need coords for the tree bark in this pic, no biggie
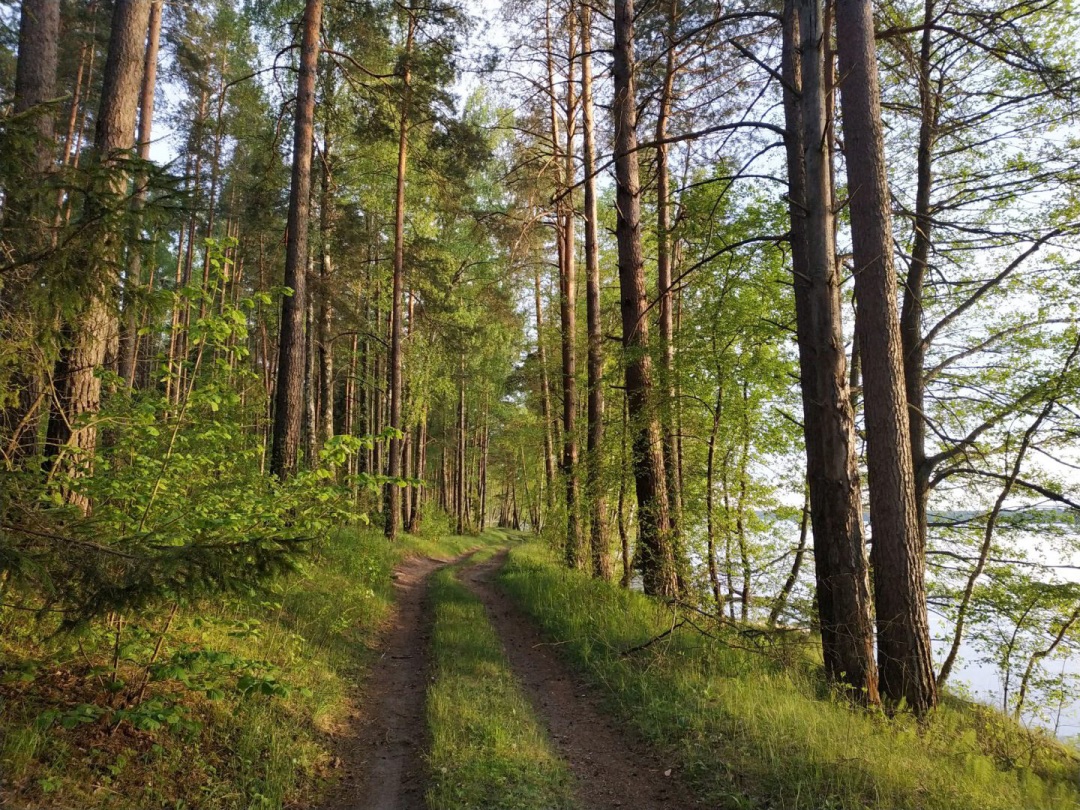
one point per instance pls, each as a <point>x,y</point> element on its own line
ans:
<point>420,470</point>
<point>27,214</point>
<point>740,509</point>
<point>311,383</point>
<point>911,327</point>
<point>663,271</point>
<point>897,554</point>
<point>710,520</point>
<point>624,532</point>
<point>392,494</point>
<point>545,400</point>
<point>601,560</point>
<point>72,433</point>
<point>31,138</point>
<point>327,217</point>
<point>655,551</point>
<point>843,588</point>
<point>325,350</point>
<point>129,349</point>
<point>575,552</point>
<point>459,494</point>
<point>289,399</point>
<point>482,469</point>
<point>182,312</point>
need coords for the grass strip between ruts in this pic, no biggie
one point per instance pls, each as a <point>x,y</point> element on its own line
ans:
<point>487,748</point>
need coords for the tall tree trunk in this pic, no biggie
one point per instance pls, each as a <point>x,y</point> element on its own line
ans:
<point>406,473</point>
<point>575,552</point>
<point>545,399</point>
<point>655,551</point>
<point>215,180</point>
<point>729,573</point>
<point>311,384</point>
<point>420,471</point>
<point>326,304</point>
<point>77,113</point>
<point>601,560</point>
<point>444,480</point>
<point>27,215</point>
<point>289,400</point>
<point>482,478</point>
<point>534,509</point>
<point>551,426</point>
<point>349,395</point>
<point>740,508</point>
<point>86,62</point>
<point>182,310</point>
<point>393,491</point>
<point>911,327</point>
<point>459,485</point>
<point>378,397</point>
<point>624,532</point>
<point>72,433</point>
<point>904,652</point>
<point>710,520</point>
<point>843,588</point>
<point>129,349</point>
<point>31,145</point>
<point>663,270</point>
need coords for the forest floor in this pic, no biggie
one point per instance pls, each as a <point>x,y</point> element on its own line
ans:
<point>478,673</point>
<point>385,759</point>
<point>612,767</point>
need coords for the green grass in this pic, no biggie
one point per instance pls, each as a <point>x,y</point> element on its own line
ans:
<point>488,750</point>
<point>754,731</point>
<point>312,635</point>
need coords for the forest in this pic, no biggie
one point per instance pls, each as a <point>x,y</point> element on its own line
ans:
<point>539,404</point>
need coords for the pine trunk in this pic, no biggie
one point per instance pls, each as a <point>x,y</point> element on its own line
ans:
<point>843,588</point>
<point>601,560</point>
<point>289,399</point>
<point>72,434</point>
<point>392,495</point>
<point>904,651</point>
<point>26,214</point>
<point>575,552</point>
<point>655,552</point>
<point>663,270</point>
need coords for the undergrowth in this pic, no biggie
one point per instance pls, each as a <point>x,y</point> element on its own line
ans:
<point>756,731</point>
<point>488,749</point>
<point>236,707</point>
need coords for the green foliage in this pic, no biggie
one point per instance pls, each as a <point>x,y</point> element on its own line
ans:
<point>182,507</point>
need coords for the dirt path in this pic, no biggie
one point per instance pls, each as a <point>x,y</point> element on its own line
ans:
<point>384,760</point>
<point>612,768</point>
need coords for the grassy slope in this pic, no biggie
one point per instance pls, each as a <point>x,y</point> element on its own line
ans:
<point>314,631</point>
<point>754,732</point>
<point>488,749</point>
